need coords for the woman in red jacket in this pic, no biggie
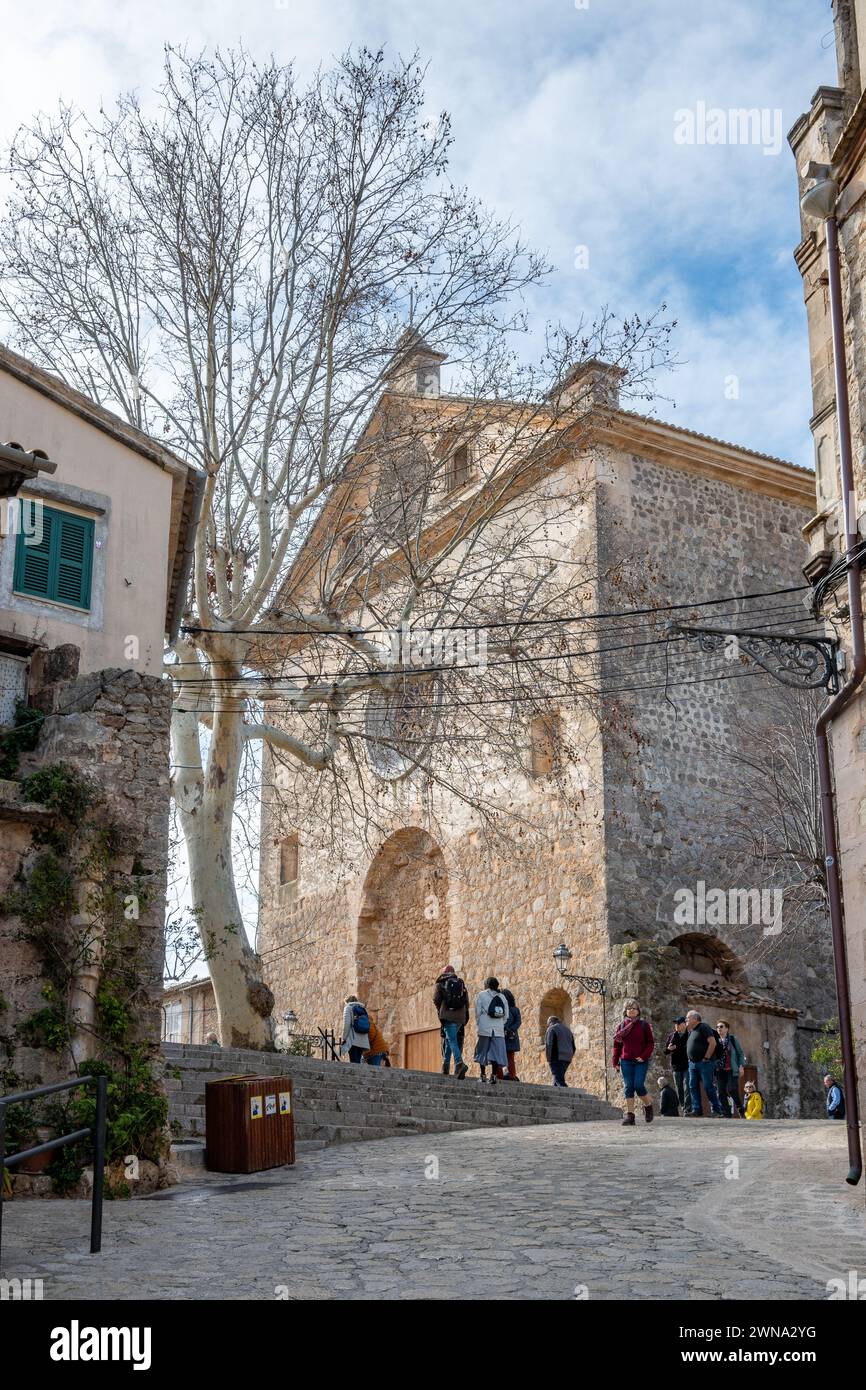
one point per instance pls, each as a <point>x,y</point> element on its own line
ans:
<point>633,1045</point>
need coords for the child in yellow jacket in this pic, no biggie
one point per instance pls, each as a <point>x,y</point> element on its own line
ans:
<point>754,1101</point>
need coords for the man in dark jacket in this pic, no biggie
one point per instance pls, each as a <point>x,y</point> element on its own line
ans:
<point>835,1099</point>
<point>675,1049</point>
<point>451,1001</point>
<point>559,1047</point>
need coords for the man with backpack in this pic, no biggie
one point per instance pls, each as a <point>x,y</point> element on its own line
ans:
<point>356,1029</point>
<point>491,1016</point>
<point>451,1001</point>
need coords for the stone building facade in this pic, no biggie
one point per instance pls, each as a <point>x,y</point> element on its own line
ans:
<point>832,134</point>
<point>673,517</point>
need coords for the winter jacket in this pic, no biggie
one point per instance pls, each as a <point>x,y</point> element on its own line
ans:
<point>350,1037</point>
<point>669,1101</point>
<point>733,1053</point>
<point>559,1043</point>
<point>633,1041</point>
<point>459,1016</point>
<point>376,1041</point>
<point>512,1024</point>
<point>485,1026</point>
<point>675,1047</point>
<point>835,1103</point>
<point>755,1106</point>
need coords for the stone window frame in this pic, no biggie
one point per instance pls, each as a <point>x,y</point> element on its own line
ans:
<point>97,507</point>
<point>545,744</point>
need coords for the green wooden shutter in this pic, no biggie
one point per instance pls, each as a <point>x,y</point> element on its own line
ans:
<point>60,566</point>
<point>33,562</point>
<point>71,560</point>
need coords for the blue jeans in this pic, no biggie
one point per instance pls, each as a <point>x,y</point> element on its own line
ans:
<point>451,1044</point>
<point>356,1054</point>
<point>704,1073</point>
<point>633,1077</point>
<point>375,1060</point>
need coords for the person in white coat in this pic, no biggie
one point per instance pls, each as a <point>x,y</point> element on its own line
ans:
<point>355,1039</point>
<point>491,1016</point>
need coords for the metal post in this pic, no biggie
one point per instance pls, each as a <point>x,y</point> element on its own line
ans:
<point>2,1171</point>
<point>604,1040</point>
<point>98,1165</point>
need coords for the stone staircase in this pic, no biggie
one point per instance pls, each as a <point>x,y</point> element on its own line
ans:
<point>335,1102</point>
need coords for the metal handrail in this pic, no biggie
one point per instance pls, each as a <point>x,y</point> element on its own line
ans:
<point>97,1131</point>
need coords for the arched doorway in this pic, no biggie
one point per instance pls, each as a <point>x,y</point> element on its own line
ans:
<point>403,943</point>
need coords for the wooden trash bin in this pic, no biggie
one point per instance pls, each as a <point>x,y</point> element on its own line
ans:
<point>249,1123</point>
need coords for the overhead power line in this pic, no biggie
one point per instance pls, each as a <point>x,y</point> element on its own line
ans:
<point>312,631</point>
<point>412,672</point>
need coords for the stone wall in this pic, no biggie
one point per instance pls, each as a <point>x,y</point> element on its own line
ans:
<point>113,727</point>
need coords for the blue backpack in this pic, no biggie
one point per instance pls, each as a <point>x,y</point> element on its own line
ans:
<point>360,1019</point>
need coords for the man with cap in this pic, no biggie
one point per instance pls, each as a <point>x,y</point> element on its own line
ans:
<point>451,1001</point>
<point>675,1047</point>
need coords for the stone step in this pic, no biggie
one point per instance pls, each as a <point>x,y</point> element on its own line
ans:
<point>339,1103</point>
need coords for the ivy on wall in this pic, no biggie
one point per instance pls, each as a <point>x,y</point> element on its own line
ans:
<point>73,904</point>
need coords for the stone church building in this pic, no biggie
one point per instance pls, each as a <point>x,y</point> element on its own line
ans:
<point>611,868</point>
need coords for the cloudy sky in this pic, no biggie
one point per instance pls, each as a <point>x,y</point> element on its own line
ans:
<point>565,117</point>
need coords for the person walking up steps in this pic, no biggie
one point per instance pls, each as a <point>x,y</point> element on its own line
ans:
<point>559,1047</point>
<point>491,1014</point>
<point>512,1035</point>
<point>451,1001</point>
<point>633,1045</point>
<point>356,1029</point>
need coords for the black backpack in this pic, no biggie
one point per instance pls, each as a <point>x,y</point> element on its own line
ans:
<point>453,992</point>
<point>497,1007</point>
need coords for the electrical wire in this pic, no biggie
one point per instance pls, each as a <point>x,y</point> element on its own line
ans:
<point>510,622</point>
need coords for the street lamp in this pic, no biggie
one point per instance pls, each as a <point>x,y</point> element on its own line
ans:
<point>592,984</point>
<point>290,1019</point>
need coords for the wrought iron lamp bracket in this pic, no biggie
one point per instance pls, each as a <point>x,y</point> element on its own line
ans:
<point>804,663</point>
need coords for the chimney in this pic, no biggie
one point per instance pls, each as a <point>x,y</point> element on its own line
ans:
<point>590,385</point>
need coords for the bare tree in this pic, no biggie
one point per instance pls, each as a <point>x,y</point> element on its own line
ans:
<point>773,832</point>
<point>234,269</point>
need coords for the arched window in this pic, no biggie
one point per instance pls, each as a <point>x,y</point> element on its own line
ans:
<point>556,1001</point>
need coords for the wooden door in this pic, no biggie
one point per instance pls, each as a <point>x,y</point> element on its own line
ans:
<point>422,1051</point>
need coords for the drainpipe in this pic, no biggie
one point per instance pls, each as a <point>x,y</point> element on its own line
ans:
<point>821,201</point>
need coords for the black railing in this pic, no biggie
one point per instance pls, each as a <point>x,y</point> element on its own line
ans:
<point>328,1044</point>
<point>96,1131</point>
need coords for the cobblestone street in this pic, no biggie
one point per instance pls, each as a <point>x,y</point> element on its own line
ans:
<point>586,1210</point>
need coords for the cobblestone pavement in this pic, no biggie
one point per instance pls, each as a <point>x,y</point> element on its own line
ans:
<point>556,1211</point>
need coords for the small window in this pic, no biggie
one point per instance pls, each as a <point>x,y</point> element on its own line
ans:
<point>289,859</point>
<point>459,468</point>
<point>56,564</point>
<point>173,1023</point>
<point>545,737</point>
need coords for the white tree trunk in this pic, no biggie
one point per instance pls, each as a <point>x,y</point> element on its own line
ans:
<point>205,799</point>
